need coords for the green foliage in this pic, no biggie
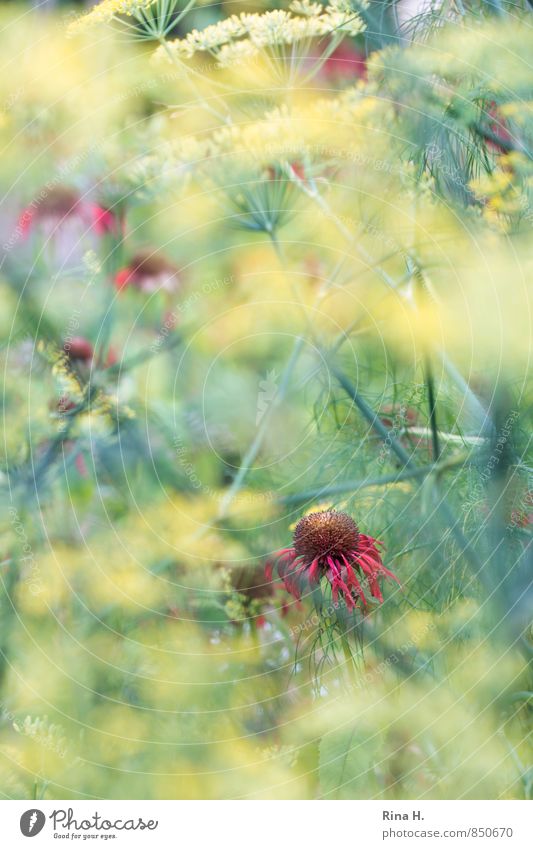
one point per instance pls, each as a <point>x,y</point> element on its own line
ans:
<point>256,267</point>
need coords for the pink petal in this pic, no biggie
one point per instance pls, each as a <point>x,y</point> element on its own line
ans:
<point>334,567</point>
<point>313,570</point>
<point>354,581</point>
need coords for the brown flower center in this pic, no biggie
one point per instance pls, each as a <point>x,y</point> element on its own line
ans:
<point>150,264</point>
<point>325,533</point>
<point>59,201</point>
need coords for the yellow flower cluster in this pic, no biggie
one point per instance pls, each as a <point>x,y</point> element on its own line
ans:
<point>242,36</point>
<point>307,8</point>
<point>502,192</point>
<point>107,11</point>
<point>281,135</point>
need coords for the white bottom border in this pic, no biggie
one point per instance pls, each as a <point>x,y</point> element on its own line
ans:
<point>268,824</point>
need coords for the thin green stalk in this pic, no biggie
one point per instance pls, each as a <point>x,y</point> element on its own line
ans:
<point>355,485</point>
<point>348,657</point>
<point>432,405</point>
<point>334,43</point>
<point>422,292</point>
<point>373,419</point>
<point>471,401</point>
<point>443,507</point>
<point>522,696</point>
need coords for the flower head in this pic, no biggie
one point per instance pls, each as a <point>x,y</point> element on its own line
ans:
<point>328,544</point>
<point>306,8</point>
<point>241,37</point>
<point>80,356</point>
<point>59,204</point>
<point>346,63</point>
<point>253,596</point>
<point>148,271</point>
<point>78,348</point>
<point>109,10</point>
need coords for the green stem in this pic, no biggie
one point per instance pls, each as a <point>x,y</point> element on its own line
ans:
<point>348,657</point>
<point>373,419</point>
<point>443,507</point>
<point>355,485</point>
<point>432,404</point>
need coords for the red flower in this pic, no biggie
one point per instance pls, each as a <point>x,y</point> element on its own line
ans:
<point>277,172</point>
<point>345,63</point>
<point>63,405</point>
<point>329,545</point>
<point>103,220</point>
<point>81,466</point>
<point>255,593</point>
<point>298,170</point>
<point>148,271</point>
<point>81,353</point>
<point>522,518</point>
<point>112,357</point>
<point>62,203</point>
<point>498,127</point>
<point>78,348</point>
